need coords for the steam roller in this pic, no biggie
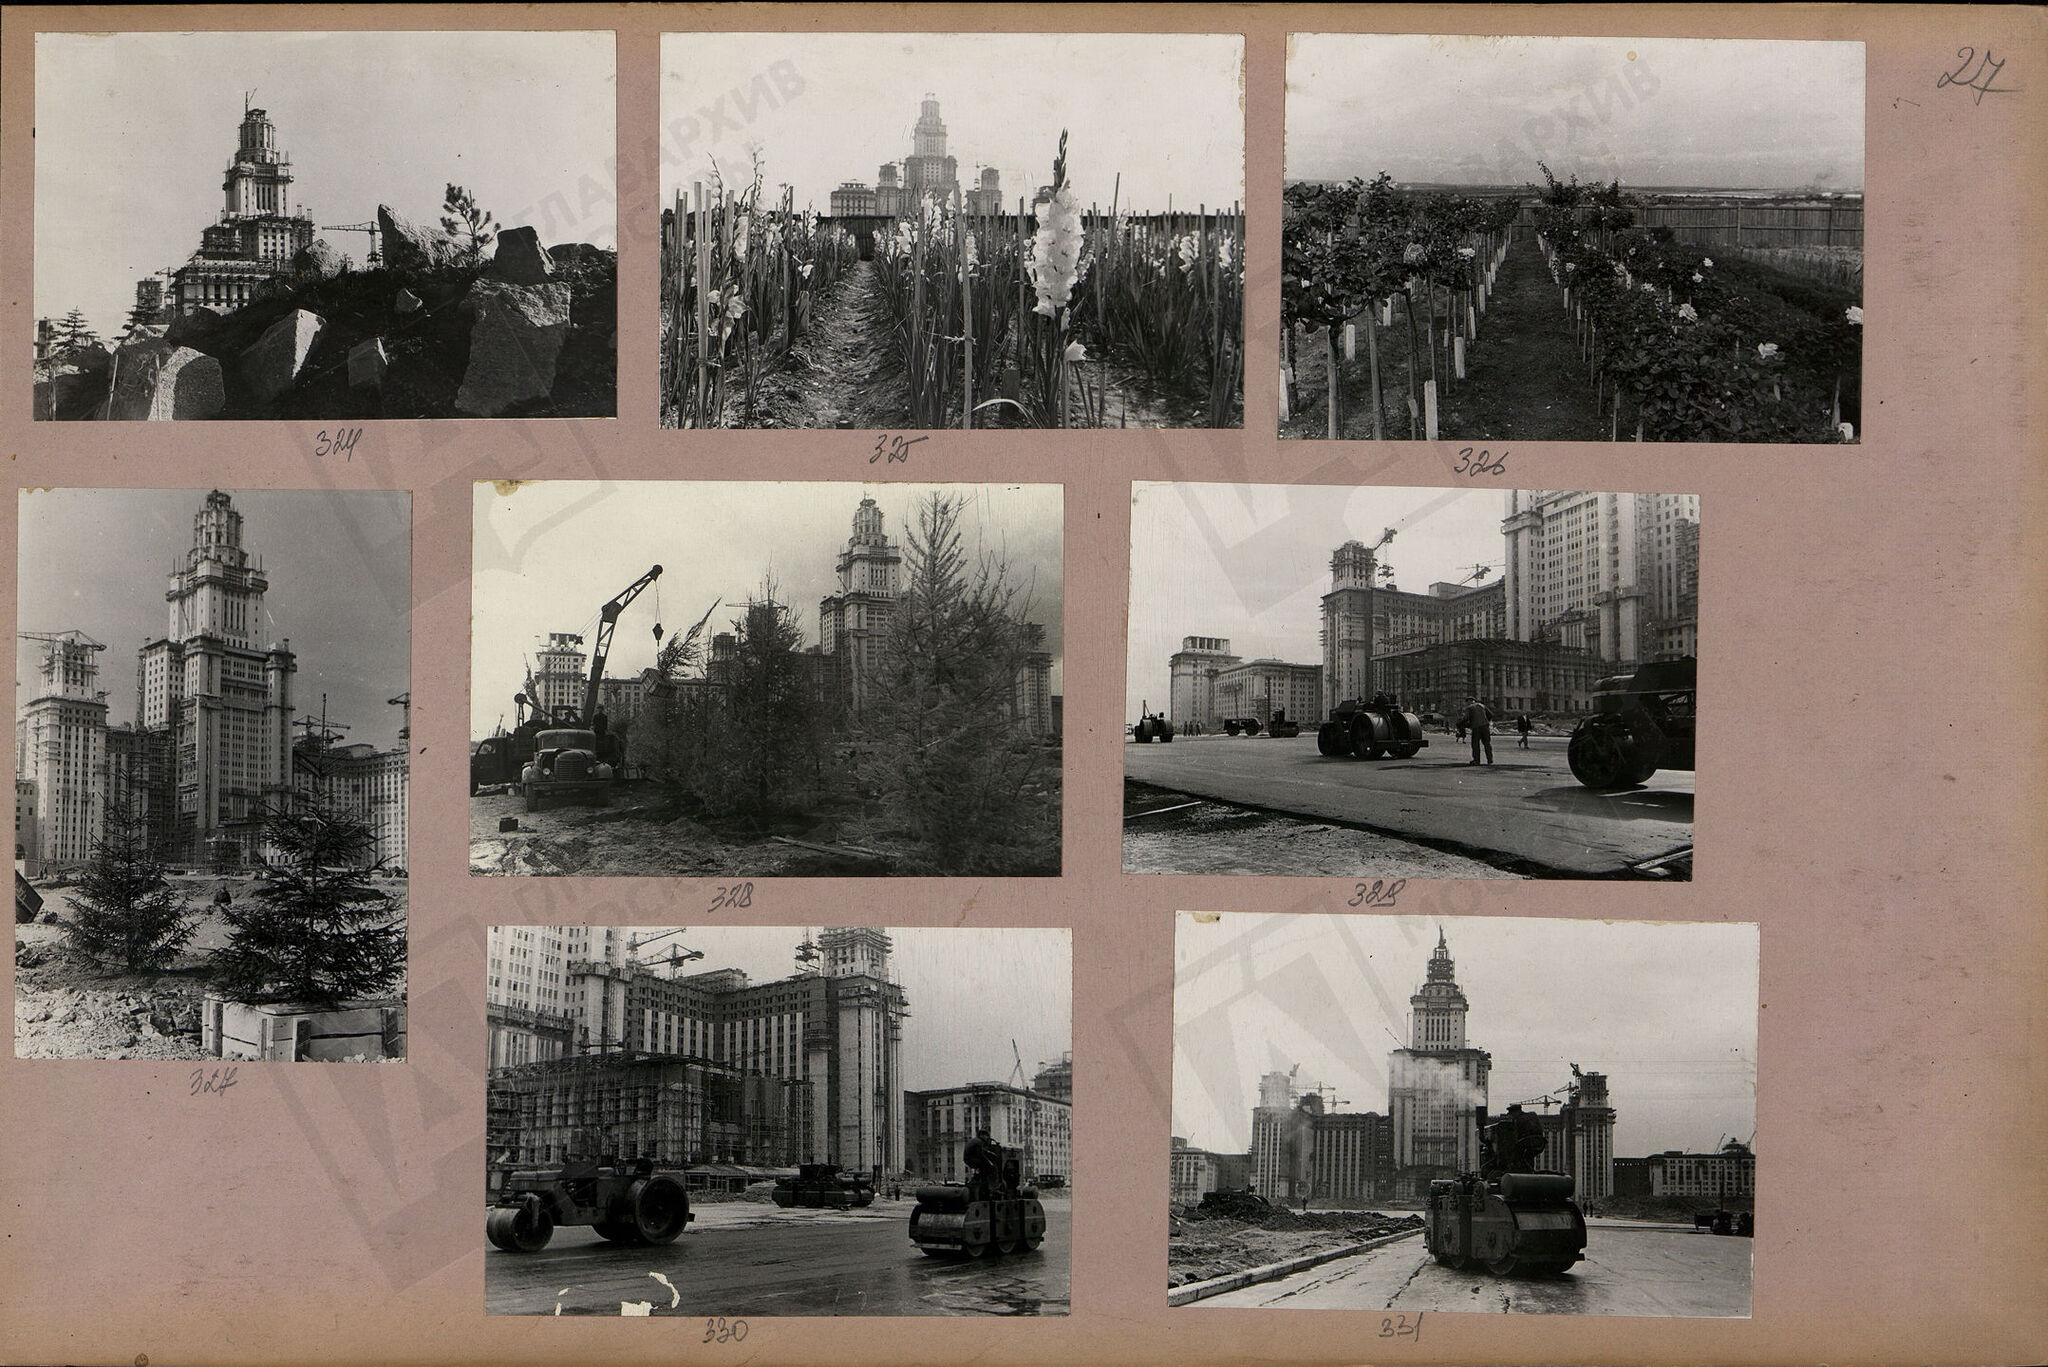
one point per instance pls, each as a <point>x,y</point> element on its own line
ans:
<point>1518,1224</point>
<point>992,1212</point>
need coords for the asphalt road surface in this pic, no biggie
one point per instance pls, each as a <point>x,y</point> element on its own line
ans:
<point>741,1259</point>
<point>1525,807</point>
<point>1628,1270</point>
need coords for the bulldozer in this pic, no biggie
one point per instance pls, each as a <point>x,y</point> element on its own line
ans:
<point>1507,1217</point>
<point>823,1186</point>
<point>627,1203</point>
<point>993,1211</point>
<point>1368,730</point>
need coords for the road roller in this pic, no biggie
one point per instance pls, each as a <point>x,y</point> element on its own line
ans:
<point>629,1204</point>
<point>1505,1218</point>
<point>823,1186</point>
<point>1641,722</point>
<point>1367,730</point>
<point>1152,726</point>
<point>993,1211</point>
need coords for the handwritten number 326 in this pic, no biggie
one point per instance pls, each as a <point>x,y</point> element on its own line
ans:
<point>1472,462</point>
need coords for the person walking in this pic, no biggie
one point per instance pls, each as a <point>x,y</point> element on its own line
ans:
<point>1479,722</point>
<point>1522,729</point>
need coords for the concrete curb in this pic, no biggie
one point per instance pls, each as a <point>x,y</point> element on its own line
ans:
<point>1251,1276</point>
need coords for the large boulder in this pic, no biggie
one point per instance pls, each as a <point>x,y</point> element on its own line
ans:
<point>520,258</point>
<point>157,381</point>
<point>73,384</point>
<point>273,364</point>
<point>367,362</point>
<point>409,246</point>
<point>196,329</point>
<point>513,345</point>
<point>319,260</point>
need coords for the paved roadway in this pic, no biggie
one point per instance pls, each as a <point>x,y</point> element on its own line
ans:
<point>1628,1269</point>
<point>1525,806</point>
<point>741,1259</point>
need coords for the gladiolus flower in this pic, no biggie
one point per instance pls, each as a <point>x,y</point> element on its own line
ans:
<point>1766,350</point>
<point>1848,431</point>
<point>804,270</point>
<point>1707,262</point>
<point>1697,277</point>
<point>1686,312</point>
<point>1075,351</point>
<point>1855,315</point>
<point>1056,252</point>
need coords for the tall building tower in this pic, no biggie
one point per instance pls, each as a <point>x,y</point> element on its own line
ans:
<point>1612,573</point>
<point>1191,680</point>
<point>1436,1085</point>
<point>226,695</point>
<point>1347,624</point>
<point>559,684</point>
<point>854,622</point>
<point>928,173</point>
<point>60,749</point>
<point>258,232</point>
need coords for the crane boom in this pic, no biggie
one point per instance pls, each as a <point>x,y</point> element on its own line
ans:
<point>607,618</point>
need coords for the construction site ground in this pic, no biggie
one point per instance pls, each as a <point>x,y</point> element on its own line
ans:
<point>1215,1246</point>
<point>67,1006</point>
<point>640,833</point>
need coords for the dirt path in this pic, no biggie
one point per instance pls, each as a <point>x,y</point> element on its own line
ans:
<point>1524,380</point>
<point>838,374</point>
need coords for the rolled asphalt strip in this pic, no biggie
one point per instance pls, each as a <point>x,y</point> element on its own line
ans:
<point>1251,1276</point>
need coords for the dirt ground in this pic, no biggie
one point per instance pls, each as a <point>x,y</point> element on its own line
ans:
<point>637,835</point>
<point>1198,1249</point>
<point>1214,837</point>
<point>67,1006</point>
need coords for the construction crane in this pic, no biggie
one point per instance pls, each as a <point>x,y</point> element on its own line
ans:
<point>1475,573</point>
<point>403,700</point>
<point>370,228</point>
<point>677,954</point>
<point>607,619</point>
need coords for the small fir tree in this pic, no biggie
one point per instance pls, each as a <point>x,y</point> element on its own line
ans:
<point>73,334</point>
<point>472,228</point>
<point>766,756</point>
<point>951,752</point>
<point>316,932</point>
<point>126,913</point>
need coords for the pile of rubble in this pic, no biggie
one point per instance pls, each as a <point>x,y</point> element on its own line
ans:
<point>65,1008</point>
<point>430,333</point>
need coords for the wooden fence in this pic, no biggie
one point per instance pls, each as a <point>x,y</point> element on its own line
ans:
<point>1743,224</point>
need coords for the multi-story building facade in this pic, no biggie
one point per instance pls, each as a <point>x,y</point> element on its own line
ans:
<point>371,785</point>
<point>1508,676</point>
<point>1260,688</point>
<point>60,750</point>
<point>929,173</point>
<point>833,1032</point>
<point>1729,1175</point>
<point>1578,1139</point>
<point>942,1120</point>
<point>1191,681</point>
<point>1055,1079</point>
<point>1436,1086</point>
<point>557,686</point>
<point>1351,1157</point>
<point>258,233</point>
<point>1615,574</point>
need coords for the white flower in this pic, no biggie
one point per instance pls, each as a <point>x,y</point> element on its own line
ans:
<point>1075,351</point>
<point>1686,312</point>
<point>804,270</point>
<point>1571,265</point>
<point>1707,262</point>
<point>1188,248</point>
<point>1467,252</point>
<point>1223,250</point>
<point>739,238</point>
<point>1766,350</point>
<point>1056,252</point>
<point>1848,431</point>
<point>1697,277</point>
<point>1854,315</point>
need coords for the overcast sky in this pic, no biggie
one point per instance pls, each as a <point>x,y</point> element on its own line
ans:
<point>1667,1011</point>
<point>339,565</point>
<point>970,992</point>
<point>1251,563</point>
<point>1162,109</point>
<point>134,132</point>
<point>1719,112</point>
<point>549,556</point>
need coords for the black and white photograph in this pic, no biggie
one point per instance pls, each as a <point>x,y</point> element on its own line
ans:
<point>742,680</point>
<point>779,1120</point>
<point>1497,239</point>
<point>952,230</point>
<point>212,865</point>
<point>1392,683</point>
<point>1559,1120</point>
<point>405,225</point>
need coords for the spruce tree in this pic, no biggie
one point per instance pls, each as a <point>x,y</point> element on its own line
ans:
<point>766,754</point>
<point>949,751</point>
<point>126,913</point>
<point>316,932</point>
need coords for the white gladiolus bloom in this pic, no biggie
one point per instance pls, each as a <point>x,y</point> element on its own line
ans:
<point>1056,252</point>
<point>1075,351</point>
<point>1766,350</point>
<point>1854,315</point>
<point>1686,312</point>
